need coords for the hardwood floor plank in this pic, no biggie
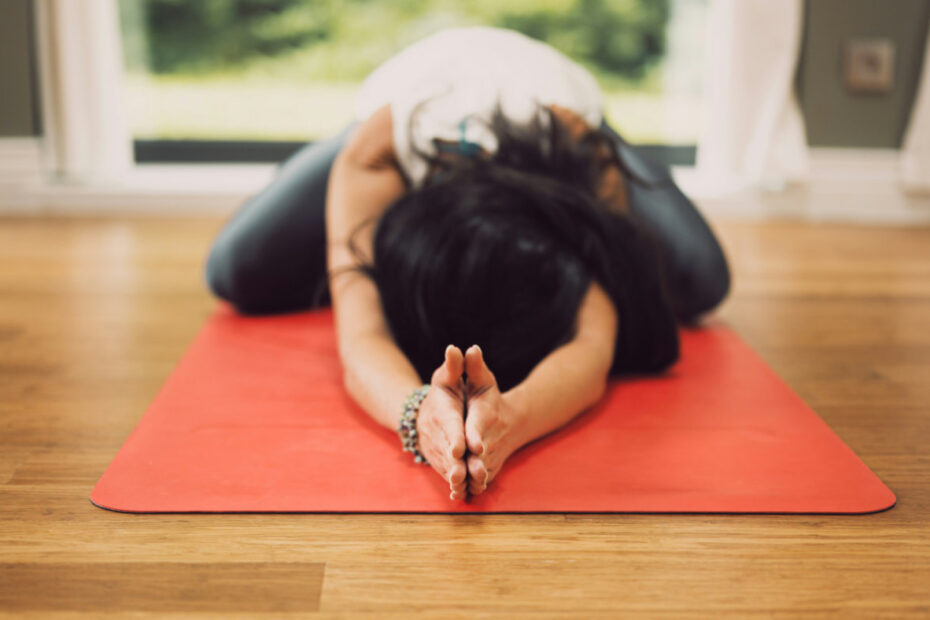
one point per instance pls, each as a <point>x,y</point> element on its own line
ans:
<point>160,586</point>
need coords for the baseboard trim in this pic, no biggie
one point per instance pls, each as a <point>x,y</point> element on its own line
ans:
<point>844,185</point>
<point>148,190</point>
<point>20,173</point>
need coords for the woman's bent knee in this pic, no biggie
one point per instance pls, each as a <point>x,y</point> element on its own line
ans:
<point>240,276</point>
<point>231,278</point>
<point>704,286</point>
<point>219,273</point>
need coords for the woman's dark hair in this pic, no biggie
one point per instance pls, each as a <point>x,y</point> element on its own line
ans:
<point>499,251</point>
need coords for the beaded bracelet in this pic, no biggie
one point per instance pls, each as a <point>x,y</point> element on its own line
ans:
<point>408,423</point>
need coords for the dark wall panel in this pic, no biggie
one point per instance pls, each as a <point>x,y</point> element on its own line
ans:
<point>835,117</point>
<point>18,103</point>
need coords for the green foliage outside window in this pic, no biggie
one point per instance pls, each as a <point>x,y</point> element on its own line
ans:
<point>346,39</point>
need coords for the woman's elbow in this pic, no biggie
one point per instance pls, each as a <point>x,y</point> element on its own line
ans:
<point>598,389</point>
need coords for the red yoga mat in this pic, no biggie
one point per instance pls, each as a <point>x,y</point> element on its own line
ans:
<point>255,419</point>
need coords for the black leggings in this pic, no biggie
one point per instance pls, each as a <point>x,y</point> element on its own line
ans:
<point>270,257</point>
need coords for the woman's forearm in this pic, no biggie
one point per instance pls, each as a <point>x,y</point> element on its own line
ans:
<point>568,381</point>
<point>571,378</point>
<point>378,376</point>
<point>363,181</point>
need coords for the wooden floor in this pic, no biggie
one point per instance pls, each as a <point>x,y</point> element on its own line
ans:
<point>94,313</point>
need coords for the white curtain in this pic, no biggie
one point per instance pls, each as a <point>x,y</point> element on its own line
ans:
<point>753,132</point>
<point>85,131</point>
<point>915,151</point>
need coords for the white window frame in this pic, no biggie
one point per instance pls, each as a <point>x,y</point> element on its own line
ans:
<point>83,162</point>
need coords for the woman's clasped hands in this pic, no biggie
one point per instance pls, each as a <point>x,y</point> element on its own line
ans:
<point>465,427</point>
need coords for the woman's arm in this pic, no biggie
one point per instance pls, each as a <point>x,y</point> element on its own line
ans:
<point>363,182</point>
<point>612,188</point>
<point>572,377</point>
<point>565,383</point>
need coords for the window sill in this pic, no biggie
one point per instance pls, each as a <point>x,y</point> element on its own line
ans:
<point>147,189</point>
<point>153,189</point>
<point>843,185</point>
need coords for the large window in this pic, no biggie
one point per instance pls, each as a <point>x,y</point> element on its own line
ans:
<point>253,79</point>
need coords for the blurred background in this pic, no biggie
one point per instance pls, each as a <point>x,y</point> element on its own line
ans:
<point>761,107</point>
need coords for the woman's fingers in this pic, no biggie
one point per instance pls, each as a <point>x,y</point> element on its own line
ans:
<point>449,373</point>
<point>477,475</point>
<point>476,422</point>
<point>473,437</point>
<point>480,450</point>
<point>452,470</point>
<point>447,422</point>
<point>457,442</point>
<point>442,437</point>
<point>480,377</point>
<point>482,391</point>
<point>490,423</point>
<point>457,481</point>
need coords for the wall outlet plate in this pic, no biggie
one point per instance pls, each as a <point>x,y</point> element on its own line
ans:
<point>868,65</point>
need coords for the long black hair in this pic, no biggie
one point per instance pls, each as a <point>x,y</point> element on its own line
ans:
<point>499,251</point>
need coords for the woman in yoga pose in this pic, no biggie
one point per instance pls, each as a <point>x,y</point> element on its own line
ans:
<point>481,229</point>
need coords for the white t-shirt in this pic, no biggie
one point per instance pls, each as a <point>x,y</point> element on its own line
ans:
<point>463,71</point>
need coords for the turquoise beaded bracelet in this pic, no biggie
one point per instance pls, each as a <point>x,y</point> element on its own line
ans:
<point>408,423</point>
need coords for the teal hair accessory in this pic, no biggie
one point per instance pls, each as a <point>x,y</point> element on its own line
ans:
<point>467,148</point>
<point>463,147</point>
